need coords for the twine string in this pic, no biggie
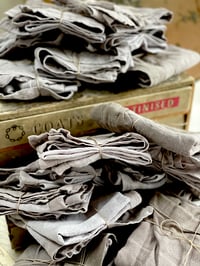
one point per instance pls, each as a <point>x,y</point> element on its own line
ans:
<point>98,146</point>
<point>76,61</point>
<point>134,122</point>
<point>37,80</point>
<point>62,12</point>
<point>174,230</point>
<point>61,17</point>
<point>19,202</point>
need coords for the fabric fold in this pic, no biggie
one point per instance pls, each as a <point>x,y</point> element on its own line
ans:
<point>50,204</point>
<point>66,238</point>
<point>119,119</point>
<point>20,81</point>
<point>172,231</point>
<point>70,66</point>
<point>60,150</point>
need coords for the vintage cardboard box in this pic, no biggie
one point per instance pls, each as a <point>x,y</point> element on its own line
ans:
<point>169,103</point>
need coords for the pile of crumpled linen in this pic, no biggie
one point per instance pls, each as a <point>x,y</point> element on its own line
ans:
<point>129,195</point>
<point>53,49</point>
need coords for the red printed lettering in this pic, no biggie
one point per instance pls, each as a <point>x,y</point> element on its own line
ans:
<point>153,106</point>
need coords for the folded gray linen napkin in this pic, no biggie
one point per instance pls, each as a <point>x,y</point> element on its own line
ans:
<point>98,251</point>
<point>27,178</point>
<point>59,150</point>
<point>102,26</point>
<point>67,237</point>
<point>149,40</point>
<point>67,65</point>
<point>20,81</point>
<point>93,254</point>
<point>152,69</point>
<point>36,18</point>
<point>10,41</point>
<point>137,27</point>
<point>46,204</point>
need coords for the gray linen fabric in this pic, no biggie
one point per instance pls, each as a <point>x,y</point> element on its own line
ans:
<point>26,80</point>
<point>7,42</point>
<point>67,65</point>
<point>152,69</point>
<point>20,81</point>
<point>60,150</point>
<point>75,175</point>
<point>52,203</point>
<point>20,180</point>
<point>25,179</point>
<point>99,251</point>
<point>34,19</point>
<point>65,238</point>
<point>34,255</point>
<point>145,40</point>
<point>10,42</point>
<point>93,254</point>
<point>89,21</point>
<point>116,118</point>
<point>124,177</point>
<point>112,13</point>
<point>170,237</point>
<point>183,168</point>
<point>137,27</point>
<point>42,194</point>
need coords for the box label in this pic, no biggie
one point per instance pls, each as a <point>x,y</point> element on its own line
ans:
<point>157,105</point>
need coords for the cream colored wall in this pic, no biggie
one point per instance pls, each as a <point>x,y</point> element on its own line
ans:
<point>7,4</point>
